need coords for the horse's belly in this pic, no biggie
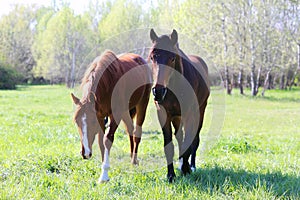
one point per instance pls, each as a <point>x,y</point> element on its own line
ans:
<point>137,96</point>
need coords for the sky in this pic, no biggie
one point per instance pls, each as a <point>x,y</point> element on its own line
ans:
<point>6,5</point>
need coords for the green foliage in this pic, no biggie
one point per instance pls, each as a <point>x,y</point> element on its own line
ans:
<point>16,35</point>
<point>123,16</point>
<point>9,77</point>
<point>256,156</point>
<point>57,44</point>
<point>62,42</point>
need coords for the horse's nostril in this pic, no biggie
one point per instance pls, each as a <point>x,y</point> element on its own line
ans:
<point>164,92</point>
<point>154,91</point>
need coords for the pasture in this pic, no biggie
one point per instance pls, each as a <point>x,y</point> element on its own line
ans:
<point>256,155</point>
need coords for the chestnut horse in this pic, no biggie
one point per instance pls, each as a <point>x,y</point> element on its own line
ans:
<point>108,91</point>
<point>180,91</point>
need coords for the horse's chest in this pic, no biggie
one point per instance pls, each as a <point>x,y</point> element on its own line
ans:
<point>172,108</point>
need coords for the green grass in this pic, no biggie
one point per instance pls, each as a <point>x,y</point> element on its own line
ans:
<point>256,154</point>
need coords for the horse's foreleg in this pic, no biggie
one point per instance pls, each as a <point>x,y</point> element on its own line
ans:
<point>194,148</point>
<point>196,141</point>
<point>100,137</point>
<point>101,145</point>
<point>190,129</point>
<point>179,137</point>
<point>137,133</point>
<point>169,152</point>
<point>165,123</point>
<point>108,141</point>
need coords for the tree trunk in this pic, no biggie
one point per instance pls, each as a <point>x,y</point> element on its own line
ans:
<point>297,69</point>
<point>299,56</point>
<point>240,81</point>
<point>271,82</point>
<point>258,80</point>
<point>227,80</point>
<point>252,49</point>
<point>282,82</point>
<point>72,81</point>
<point>253,80</point>
<point>266,83</point>
<point>67,82</point>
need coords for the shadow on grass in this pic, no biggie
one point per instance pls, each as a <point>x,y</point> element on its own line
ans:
<point>281,99</point>
<point>277,95</point>
<point>228,180</point>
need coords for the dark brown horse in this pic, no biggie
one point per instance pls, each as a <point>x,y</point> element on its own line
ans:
<point>118,88</point>
<point>180,91</point>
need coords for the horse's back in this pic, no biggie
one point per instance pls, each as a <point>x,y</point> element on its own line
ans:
<point>120,77</point>
<point>142,71</point>
<point>132,59</point>
<point>139,78</point>
<point>199,62</point>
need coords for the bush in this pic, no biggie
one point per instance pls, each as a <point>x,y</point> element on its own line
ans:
<point>9,77</point>
<point>39,80</point>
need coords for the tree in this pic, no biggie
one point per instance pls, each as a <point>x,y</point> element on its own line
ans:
<point>123,16</point>
<point>16,36</point>
<point>62,42</point>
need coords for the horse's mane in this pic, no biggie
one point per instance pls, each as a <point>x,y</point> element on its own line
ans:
<point>94,72</point>
<point>178,59</point>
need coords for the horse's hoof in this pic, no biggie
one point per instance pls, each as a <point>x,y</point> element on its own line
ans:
<point>135,162</point>
<point>193,169</point>
<point>101,180</point>
<point>180,163</point>
<point>185,169</point>
<point>104,178</point>
<point>171,178</point>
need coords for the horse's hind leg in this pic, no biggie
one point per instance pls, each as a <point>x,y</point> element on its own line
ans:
<point>190,128</point>
<point>194,148</point>
<point>137,133</point>
<point>127,118</point>
<point>108,141</point>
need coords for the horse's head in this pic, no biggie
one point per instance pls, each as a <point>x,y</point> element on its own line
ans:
<point>163,55</point>
<point>87,123</point>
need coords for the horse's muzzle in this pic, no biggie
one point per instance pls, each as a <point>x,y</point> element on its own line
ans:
<point>159,93</point>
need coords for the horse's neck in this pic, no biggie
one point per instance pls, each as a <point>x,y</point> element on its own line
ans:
<point>178,62</point>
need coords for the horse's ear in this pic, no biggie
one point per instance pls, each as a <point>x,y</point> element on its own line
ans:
<point>174,37</point>
<point>153,35</point>
<point>75,99</point>
<point>92,97</point>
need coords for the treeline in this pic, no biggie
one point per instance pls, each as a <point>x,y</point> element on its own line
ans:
<point>252,43</point>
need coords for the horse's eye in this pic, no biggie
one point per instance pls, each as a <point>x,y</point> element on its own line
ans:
<point>154,57</point>
<point>172,59</point>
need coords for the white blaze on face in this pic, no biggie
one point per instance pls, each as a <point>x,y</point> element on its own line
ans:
<point>85,141</point>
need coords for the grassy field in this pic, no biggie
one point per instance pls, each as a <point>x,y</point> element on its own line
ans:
<point>255,156</point>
